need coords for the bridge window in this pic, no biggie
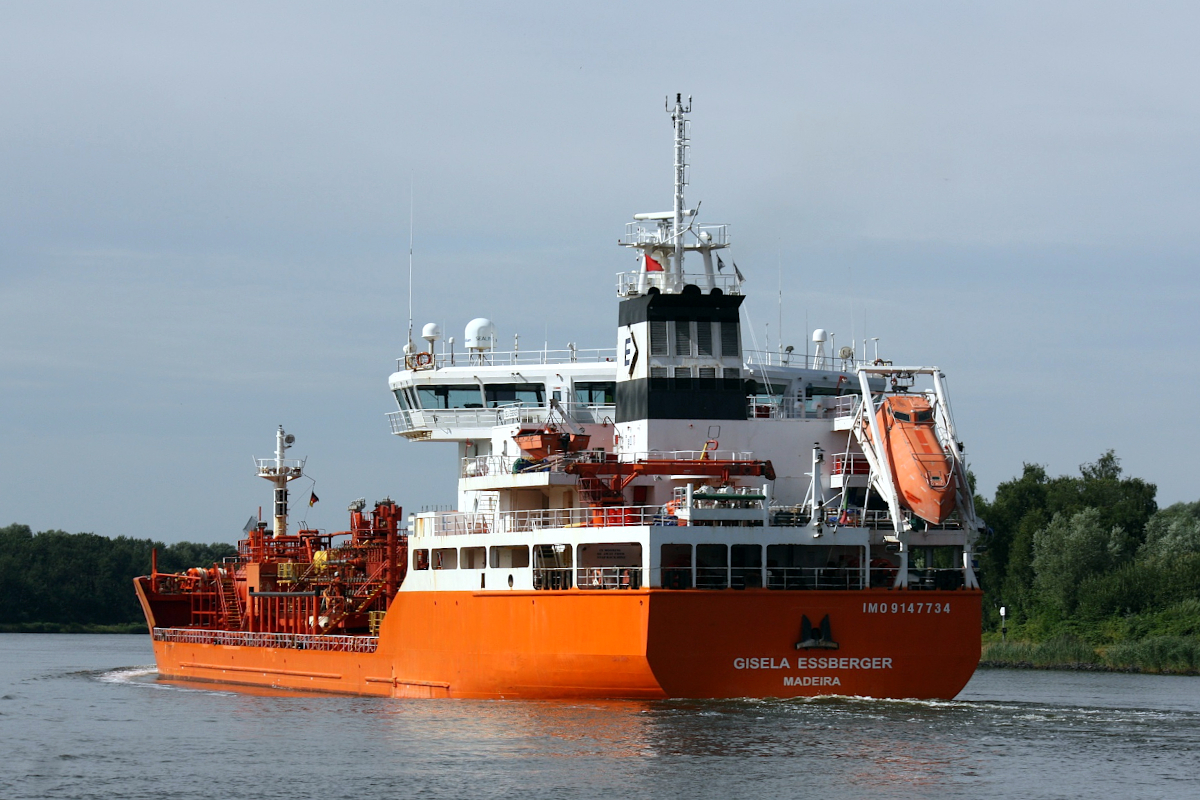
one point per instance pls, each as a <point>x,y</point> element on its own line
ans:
<point>552,567</point>
<point>503,394</point>
<point>704,338</point>
<point>596,393</point>
<point>420,559</point>
<point>729,340</point>
<point>445,558</point>
<point>683,338</point>
<point>472,557</point>
<point>658,338</point>
<point>510,557</point>
<point>450,396</point>
<point>712,566</point>
<point>746,566</point>
<point>615,565</point>
<point>676,566</point>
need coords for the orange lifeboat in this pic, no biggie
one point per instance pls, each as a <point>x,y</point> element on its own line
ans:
<point>922,470</point>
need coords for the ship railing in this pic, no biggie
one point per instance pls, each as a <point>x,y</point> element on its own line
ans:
<point>815,577</point>
<point>292,641</point>
<point>682,455</point>
<point>773,358</point>
<point>452,523</point>
<point>661,232</point>
<point>272,466</point>
<point>793,516</point>
<point>844,406</point>
<point>608,577</point>
<point>633,284</point>
<point>524,413</point>
<point>613,516</point>
<point>820,407</point>
<point>571,355</point>
<point>480,466</point>
<point>400,422</point>
<point>850,464</point>
<point>405,420</point>
<point>882,519</point>
<point>552,578</point>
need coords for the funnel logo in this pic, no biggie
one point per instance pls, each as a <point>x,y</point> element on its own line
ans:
<point>820,638</point>
<point>631,351</point>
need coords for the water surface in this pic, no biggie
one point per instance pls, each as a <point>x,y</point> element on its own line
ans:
<point>86,717</point>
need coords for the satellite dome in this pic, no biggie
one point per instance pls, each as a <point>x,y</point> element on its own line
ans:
<point>431,332</point>
<point>480,334</point>
<point>819,335</point>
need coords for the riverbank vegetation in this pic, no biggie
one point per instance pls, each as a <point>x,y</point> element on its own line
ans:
<point>1091,572</point>
<point>59,582</point>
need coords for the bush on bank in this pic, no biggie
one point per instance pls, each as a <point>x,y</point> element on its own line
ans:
<point>56,581</point>
<point>1091,558</point>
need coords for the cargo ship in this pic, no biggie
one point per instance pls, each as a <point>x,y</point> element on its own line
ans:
<point>681,516</point>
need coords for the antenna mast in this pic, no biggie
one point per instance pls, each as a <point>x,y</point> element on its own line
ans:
<point>681,146</point>
<point>410,260</point>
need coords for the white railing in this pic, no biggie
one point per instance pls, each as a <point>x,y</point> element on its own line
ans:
<point>537,519</point>
<point>520,413</point>
<point>293,641</point>
<point>844,406</point>
<point>571,355</point>
<point>480,466</point>
<point>820,407</point>
<point>270,465</point>
<point>632,284</point>
<point>686,455</point>
<point>615,516</point>
<point>608,577</point>
<point>662,233</point>
<point>786,409</point>
<point>774,358</point>
<point>406,420</point>
<point>453,523</point>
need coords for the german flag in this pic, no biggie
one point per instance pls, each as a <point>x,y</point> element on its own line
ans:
<point>312,499</point>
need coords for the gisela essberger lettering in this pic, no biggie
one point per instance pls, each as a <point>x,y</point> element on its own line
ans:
<point>819,662</point>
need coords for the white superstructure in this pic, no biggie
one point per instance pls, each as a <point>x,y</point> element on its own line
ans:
<point>645,501</point>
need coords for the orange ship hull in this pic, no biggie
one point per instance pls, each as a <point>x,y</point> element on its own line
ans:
<point>650,643</point>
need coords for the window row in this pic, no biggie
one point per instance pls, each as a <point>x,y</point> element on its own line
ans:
<point>687,338</point>
<point>494,395</point>
<point>608,565</point>
<point>787,566</point>
<point>732,373</point>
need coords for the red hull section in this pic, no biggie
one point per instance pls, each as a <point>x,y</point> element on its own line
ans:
<point>631,644</point>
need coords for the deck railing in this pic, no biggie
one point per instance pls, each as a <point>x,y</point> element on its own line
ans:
<point>572,355</point>
<point>406,420</point>
<point>292,641</point>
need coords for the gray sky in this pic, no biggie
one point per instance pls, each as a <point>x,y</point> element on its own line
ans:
<point>204,222</point>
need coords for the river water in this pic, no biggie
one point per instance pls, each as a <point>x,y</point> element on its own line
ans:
<point>85,717</point>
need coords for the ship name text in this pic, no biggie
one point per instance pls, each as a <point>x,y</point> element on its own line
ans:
<point>831,662</point>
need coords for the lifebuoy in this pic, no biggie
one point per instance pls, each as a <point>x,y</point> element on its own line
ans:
<point>424,359</point>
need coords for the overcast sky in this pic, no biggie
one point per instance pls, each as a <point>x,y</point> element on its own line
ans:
<point>204,222</point>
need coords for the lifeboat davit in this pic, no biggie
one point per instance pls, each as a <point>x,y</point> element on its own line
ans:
<point>922,470</point>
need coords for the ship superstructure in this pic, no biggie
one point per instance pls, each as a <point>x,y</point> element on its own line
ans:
<point>679,516</point>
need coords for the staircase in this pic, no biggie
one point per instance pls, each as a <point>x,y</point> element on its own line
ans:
<point>230,607</point>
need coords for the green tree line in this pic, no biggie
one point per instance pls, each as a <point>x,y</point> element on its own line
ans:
<point>1090,555</point>
<point>82,579</point>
